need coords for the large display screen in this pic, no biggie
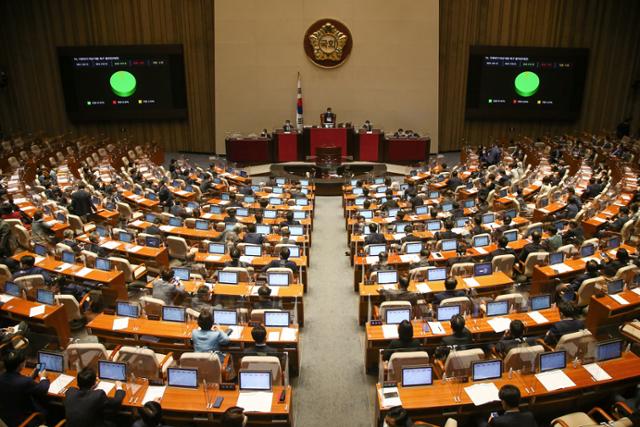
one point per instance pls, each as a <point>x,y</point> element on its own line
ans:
<point>123,82</point>
<point>525,82</point>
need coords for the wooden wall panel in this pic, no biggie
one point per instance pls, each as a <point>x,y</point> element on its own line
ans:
<point>30,30</point>
<point>608,28</point>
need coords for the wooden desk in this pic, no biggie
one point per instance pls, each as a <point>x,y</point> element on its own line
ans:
<point>592,225</point>
<point>53,319</point>
<point>436,402</point>
<point>159,255</point>
<point>605,312</point>
<point>140,201</point>
<point>540,214</point>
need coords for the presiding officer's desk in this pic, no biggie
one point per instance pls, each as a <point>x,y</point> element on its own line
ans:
<point>480,328</point>
<point>54,318</point>
<point>438,401</point>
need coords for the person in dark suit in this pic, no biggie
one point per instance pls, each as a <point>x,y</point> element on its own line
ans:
<point>621,219</point>
<point>265,301</point>
<point>283,261</point>
<point>85,407</point>
<point>592,190</point>
<point>164,195</point>
<point>287,127</point>
<point>402,293</point>
<point>329,119</point>
<point>568,291</point>
<point>454,181</point>
<point>260,347</point>
<point>512,337</point>
<point>511,415</point>
<point>81,203</point>
<point>532,247</point>
<point>150,416</point>
<point>575,234</point>
<point>405,340</point>
<point>460,339</point>
<point>20,395</point>
<point>398,417</point>
<point>502,249</point>
<point>447,234</point>
<point>252,237</point>
<point>450,291</point>
<point>367,126</point>
<point>410,237</point>
<point>374,237</point>
<point>565,326</point>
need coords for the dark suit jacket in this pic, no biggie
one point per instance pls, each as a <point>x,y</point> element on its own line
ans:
<point>501,251</point>
<point>18,397</point>
<point>561,328</point>
<point>375,238</point>
<point>87,408</point>
<point>441,296</point>
<point>254,238</point>
<point>510,419</point>
<point>529,249</point>
<point>81,203</point>
<point>279,263</point>
<point>460,340</point>
<point>260,350</point>
<point>413,345</point>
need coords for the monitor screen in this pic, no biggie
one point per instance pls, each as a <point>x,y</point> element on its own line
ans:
<point>44,296</point>
<point>482,269</point>
<point>486,370</point>
<point>126,309</point>
<point>615,286</point>
<point>400,226</point>
<point>413,248</point>
<point>277,318</point>
<point>556,258</point>
<point>277,190</point>
<point>181,377</point>
<point>53,362</point>
<point>68,257</point>
<point>359,201</point>
<point>150,217</point>
<point>281,181</point>
<point>587,250</point>
<point>394,316</point>
<point>421,210</point>
<point>392,212</point>
<point>228,277</point>
<point>253,250</point>
<point>446,207</point>
<point>242,212</point>
<point>511,235</point>
<point>613,242</point>
<point>249,199</point>
<point>511,213</point>
<point>296,230</point>
<point>114,371</point>
<point>225,317</point>
<point>304,182</point>
<point>40,250</point>
<point>302,201</point>
<point>461,222</point>
<point>534,229</point>
<point>217,248</point>
<point>152,196</point>
<point>434,195</point>
<point>480,241</point>
<point>434,225</point>
<point>263,229</point>
<point>469,203</point>
<point>181,273</point>
<point>299,215</point>
<point>229,226</point>
<point>413,376</point>
<point>175,221</point>
<point>435,274</point>
<point>379,180</point>
<point>225,196</point>
<point>609,350</point>
<point>123,236</point>
<point>381,189</point>
<point>173,314</point>
<point>60,217</point>
<point>553,360</point>
<point>294,251</point>
<point>488,218</point>
<point>366,213</point>
<point>447,312</point>
<point>274,201</point>
<point>12,289</point>
<point>202,224</point>
<point>153,242</point>
<point>277,279</point>
<point>375,250</point>
<point>540,302</point>
<point>497,308</point>
<point>103,264</point>
<point>215,209</point>
<point>254,380</point>
<point>387,277</point>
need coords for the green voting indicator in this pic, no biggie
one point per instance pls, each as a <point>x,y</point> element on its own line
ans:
<point>123,83</point>
<point>527,83</point>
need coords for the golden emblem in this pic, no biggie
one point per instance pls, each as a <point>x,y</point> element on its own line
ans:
<point>328,43</point>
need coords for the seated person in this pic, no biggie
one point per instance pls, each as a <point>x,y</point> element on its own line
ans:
<point>567,325</point>
<point>513,337</point>
<point>87,403</point>
<point>231,217</point>
<point>252,237</point>
<point>205,339</point>
<point>503,249</point>
<point>534,246</point>
<point>405,340</point>
<point>622,259</point>
<point>450,291</point>
<point>264,299</point>
<point>397,417</point>
<point>410,237</point>
<point>201,301</point>
<point>374,237</point>
<point>461,337</point>
<point>41,231</point>
<point>196,267</point>
<point>150,415</point>
<point>447,234</point>
<point>454,181</point>
<point>574,235</point>
<point>402,293</point>
<point>424,259</point>
<point>554,241</point>
<point>94,245</point>
<point>283,262</point>
<point>165,289</point>
<point>568,291</point>
<point>27,268</point>
<point>285,237</point>
<point>68,239</point>
<point>510,415</point>
<point>235,259</point>
<point>289,220</point>
<point>260,347</point>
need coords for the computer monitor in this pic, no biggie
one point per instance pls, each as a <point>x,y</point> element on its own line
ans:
<point>175,221</point>
<point>381,189</point>
<point>540,302</point>
<point>249,199</point>
<point>413,248</point>
<point>434,195</point>
<point>434,225</point>
<point>511,235</point>
<point>615,286</point>
<point>269,213</point>
<point>103,264</point>
<point>294,251</point>
<point>150,217</point>
<point>51,361</point>
<point>40,250</point>
<point>445,313</point>
<point>193,205</point>
<point>304,182</point>
<point>503,192</point>
<point>228,277</point>
<point>392,212</point>
<point>242,212</point>
<point>359,201</point>
<point>511,213</point>
<point>11,288</point>
<point>173,314</point>
<point>469,203</point>
<point>497,308</point>
<point>114,371</point>
<point>110,206</point>
<point>486,369</point>
<point>217,248</point>
<point>181,273</point>
<point>553,360</point>
<point>44,296</point>
<point>399,227</point>
<point>532,230</point>
<point>152,241</point>
<point>215,209</point>
<point>415,376</point>
<point>556,258</point>
<point>253,250</point>
<point>488,218</point>
<point>482,269</point>
<point>277,279</point>
<point>559,225</point>
<point>446,207</point>
<point>393,316</point>
<point>300,201</point>
<point>263,229</point>
<point>481,241</point>
<point>296,230</point>
<point>274,201</point>
<point>299,215</point>
<point>587,250</point>
<point>387,277</point>
<point>229,226</point>
<point>277,318</point>
<point>126,309</point>
<point>613,242</point>
<point>68,257</point>
<point>225,196</point>
<point>225,317</point>
<point>182,377</point>
<point>277,190</point>
<point>375,250</point>
<point>202,224</point>
<point>61,217</point>
<point>609,350</point>
<point>123,236</point>
<point>366,213</point>
<point>421,210</point>
<point>436,274</point>
<point>254,380</point>
<point>543,202</point>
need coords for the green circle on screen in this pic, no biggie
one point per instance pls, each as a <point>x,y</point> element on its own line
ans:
<point>123,83</point>
<point>527,83</point>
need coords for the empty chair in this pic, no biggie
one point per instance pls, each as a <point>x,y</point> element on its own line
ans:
<point>464,303</point>
<point>22,236</point>
<point>76,224</point>
<point>458,363</point>
<point>208,365</point>
<point>568,250</point>
<point>243,273</point>
<point>5,274</point>
<point>152,306</point>
<point>282,270</point>
<point>30,282</point>
<point>533,259</point>
<point>595,242</point>
<point>579,344</point>
<point>144,362</point>
<point>126,213</point>
<point>586,290</point>
<point>627,273</point>
<point>71,306</point>
<point>85,355</point>
<point>464,269</point>
<point>515,299</point>
<point>388,305</point>
<point>264,363</point>
<point>178,247</point>
<point>631,330</point>
<point>503,263</point>
<point>522,358</point>
<point>399,360</point>
<point>132,272</point>
<point>61,247</point>
<point>531,227</point>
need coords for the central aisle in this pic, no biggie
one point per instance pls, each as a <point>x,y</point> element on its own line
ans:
<point>332,389</point>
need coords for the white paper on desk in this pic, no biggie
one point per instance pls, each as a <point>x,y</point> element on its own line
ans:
<point>597,372</point>
<point>636,290</point>
<point>598,219</point>
<point>423,288</point>
<point>538,317</point>
<point>390,331</point>
<point>247,259</point>
<point>154,392</point>
<point>20,200</point>
<point>499,324</point>
<point>105,386</point>
<point>64,266</point>
<point>275,290</point>
<point>410,258</point>
<point>255,401</point>
<point>619,299</point>
<point>436,328</point>
<point>555,380</point>
<point>236,333</point>
<point>288,334</point>
<point>213,258</point>
<point>481,250</point>
<point>388,220</point>
<point>120,323</point>
<point>371,259</point>
<point>39,259</point>
<point>561,268</point>
<point>399,236</point>
<point>543,210</point>
<point>135,249</point>
<point>136,223</point>
<point>393,400</point>
<point>274,336</point>
<point>471,282</point>
<point>84,271</point>
<point>37,310</point>
<point>60,383</point>
<point>110,244</point>
<point>5,298</point>
<point>167,228</point>
<point>482,393</point>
